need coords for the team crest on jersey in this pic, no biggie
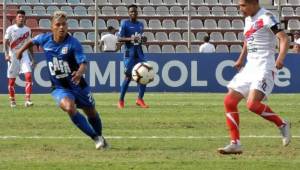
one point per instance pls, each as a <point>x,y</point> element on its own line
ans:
<point>64,50</point>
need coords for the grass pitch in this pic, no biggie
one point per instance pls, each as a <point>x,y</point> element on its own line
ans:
<point>178,131</point>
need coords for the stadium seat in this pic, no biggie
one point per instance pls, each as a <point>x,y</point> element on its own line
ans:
<point>221,48</point>
<point>225,2</point>
<point>231,11</point>
<point>217,11</point>
<point>39,11</point>
<point>27,9</point>
<point>52,9</point>
<point>181,49</point>
<point>211,2</point>
<point>197,2</point>
<point>167,49</point>
<point>237,24</point>
<point>128,2</point>
<point>162,11</point>
<point>85,23</point>
<point>101,24</point>
<point>195,48</point>
<point>170,2</point>
<point>203,11</point>
<point>154,49</point>
<point>192,9</point>
<point>75,2</point>
<point>236,48</point>
<point>73,23</point>
<point>201,35</point>
<point>80,36</point>
<point>142,2</point>
<point>185,36</point>
<point>80,11</point>
<point>230,36</point>
<point>241,36</point>
<point>108,10</point>
<point>32,1</point>
<point>149,11</point>
<point>113,22</point>
<point>45,23</point>
<point>67,9</point>
<point>182,24</point>
<point>294,2</point>
<point>297,11</point>
<point>144,22</point>
<point>175,36</point>
<point>91,10</point>
<point>18,1</point>
<point>287,11</point>
<point>47,1</point>
<point>168,24</point>
<point>196,23</point>
<point>154,24</point>
<point>87,49</point>
<point>176,11</point>
<point>216,36</point>
<point>60,1</point>
<point>150,36</point>
<point>145,50</point>
<point>293,24</point>
<point>182,2</point>
<point>32,23</point>
<point>156,2</point>
<point>90,36</point>
<point>224,24</point>
<point>161,36</point>
<point>87,1</point>
<point>121,11</point>
<point>210,24</point>
<point>235,2</point>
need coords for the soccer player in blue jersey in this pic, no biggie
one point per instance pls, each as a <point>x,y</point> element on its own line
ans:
<point>131,32</point>
<point>66,64</point>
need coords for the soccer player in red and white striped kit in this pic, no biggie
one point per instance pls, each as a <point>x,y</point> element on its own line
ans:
<point>256,80</point>
<point>15,37</point>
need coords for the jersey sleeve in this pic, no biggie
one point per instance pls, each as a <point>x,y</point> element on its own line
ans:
<point>122,29</point>
<point>78,52</point>
<point>38,39</point>
<point>7,35</point>
<point>270,20</point>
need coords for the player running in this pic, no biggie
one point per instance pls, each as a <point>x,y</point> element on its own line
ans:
<point>256,80</point>
<point>66,64</point>
<point>15,37</point>
<point>131,32</point>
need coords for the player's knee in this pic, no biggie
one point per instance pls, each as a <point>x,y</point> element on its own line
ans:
<point>230,101</point>
<point>69,107</point>
<point>253,106</point>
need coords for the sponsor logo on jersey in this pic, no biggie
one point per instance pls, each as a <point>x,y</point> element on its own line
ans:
<point>254,28</point>
<point>19,40</point>
<point>59,68</point>
<point>64,50</point>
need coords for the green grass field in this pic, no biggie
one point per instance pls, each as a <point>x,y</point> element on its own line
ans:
<point>188,127</point>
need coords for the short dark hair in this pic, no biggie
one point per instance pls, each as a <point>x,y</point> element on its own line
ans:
<point>206,38</point>
<point>20,12</point>
<point>110,28</point>
<point>132,6</point>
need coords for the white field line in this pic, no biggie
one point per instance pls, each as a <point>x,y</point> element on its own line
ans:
<point>137,137</point>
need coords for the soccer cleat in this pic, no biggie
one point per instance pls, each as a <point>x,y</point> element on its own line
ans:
<point>13,104</point>
<point>28,103</point>
<point>121,104</point>
<point>101,143</point>
<point>231,149</point>
<point>285,133</point>
<point>141,103</point>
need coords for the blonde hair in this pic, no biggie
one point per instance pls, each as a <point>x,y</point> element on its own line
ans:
<point>59,14</point>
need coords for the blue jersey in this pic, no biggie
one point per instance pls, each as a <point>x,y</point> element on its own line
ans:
<point>62,59</point>
<point>129,29</point>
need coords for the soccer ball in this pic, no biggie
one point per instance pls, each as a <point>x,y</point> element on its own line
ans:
<point>143,73</point>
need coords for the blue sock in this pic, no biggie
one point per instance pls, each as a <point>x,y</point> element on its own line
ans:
<point>96,124</point>
<point>80,121</point>
<point>142,89</point>
<point>124,87</point>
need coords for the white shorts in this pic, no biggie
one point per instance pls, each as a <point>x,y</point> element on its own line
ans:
<point>15,67</point>
<point>244,81</point>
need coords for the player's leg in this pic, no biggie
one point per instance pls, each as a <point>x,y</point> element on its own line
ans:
<point>28,89</point>
<point>231,102</point>
<point>140,102</point>
<point>66,101</point>
<point>255,105</point>
<point>11,91</point>
<point>13,68</point>
<point>128,65</point>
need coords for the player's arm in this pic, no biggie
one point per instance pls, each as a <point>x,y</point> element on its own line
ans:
<point>76,75</point>
<point>28,45</point>
<point>81,60</point>
<point>283,48</point>
<point>101,45</point>
<point>240,61</point>
<point>118,46</point>
<point>6,49</point>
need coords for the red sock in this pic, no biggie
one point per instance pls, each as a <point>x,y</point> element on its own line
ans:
<point>265,112</point>
<point>11,88</point>
<point>28,85</point>
<point>232,118</point>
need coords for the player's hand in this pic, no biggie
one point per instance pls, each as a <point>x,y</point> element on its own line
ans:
<point>136,38</point>
<point>18,55</point>
<point>7,58</point>
<point>238,64</point>
<point>144,39</point>
<point>76,76</point>
<point>279,64</point>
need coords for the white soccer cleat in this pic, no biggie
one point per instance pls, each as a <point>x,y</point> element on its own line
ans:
<point>231,149</point>
<point>285,133</point>
<point>13,104</point>
<point>101,143</point>
<point>28,103</point>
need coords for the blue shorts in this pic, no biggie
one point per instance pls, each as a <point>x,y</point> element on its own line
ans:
<point>83,97</point>
<point>131,58</point>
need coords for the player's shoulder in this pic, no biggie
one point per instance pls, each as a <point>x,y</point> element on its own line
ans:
<point>266,13</point>
<point>27,28</point>
<point>11,27</point>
